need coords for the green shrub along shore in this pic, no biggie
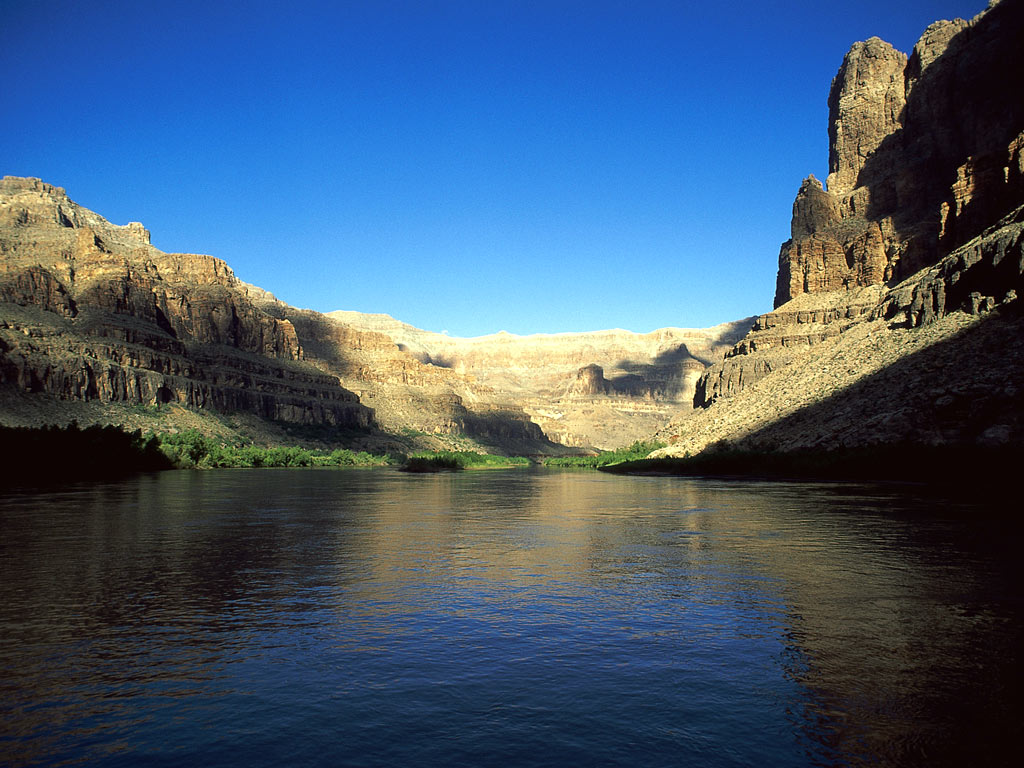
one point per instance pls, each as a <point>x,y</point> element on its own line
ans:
<point>638,450</point>
<point>51,455</point>
<point>439,461</point>
<point>192,450</point>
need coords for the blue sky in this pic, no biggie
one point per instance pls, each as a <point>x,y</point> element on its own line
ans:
<point>466,166</point>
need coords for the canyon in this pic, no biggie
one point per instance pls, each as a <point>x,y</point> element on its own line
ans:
<point>96,324</point>
<point>897,316</point>
<point>601,390</point>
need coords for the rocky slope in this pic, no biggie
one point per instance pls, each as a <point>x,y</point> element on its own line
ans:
<point>91,314</point>
<point>896,306</point>
<point>91,311</point>
<point>603,389</point>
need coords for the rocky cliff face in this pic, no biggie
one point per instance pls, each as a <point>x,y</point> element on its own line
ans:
<point>91,311</point>
<point>589,381</point>
<point>410,397</point>
<point>911,257</point>
<point>925,154</point>
<point>603,389</point>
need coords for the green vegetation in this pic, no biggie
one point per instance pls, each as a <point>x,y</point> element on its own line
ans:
<point>50,455</point>
<point>429,464</point>
<point>191,449</point>
<point>438,461</point>
<point>638,450</point>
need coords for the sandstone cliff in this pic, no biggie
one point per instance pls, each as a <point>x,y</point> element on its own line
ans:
<point>430,405</point>
<point>602,390</point>
<point>925,154</point>
<point>91,311</point>
<point>896,305</point>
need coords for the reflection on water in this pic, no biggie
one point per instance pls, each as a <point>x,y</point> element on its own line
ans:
<point>516,618</point>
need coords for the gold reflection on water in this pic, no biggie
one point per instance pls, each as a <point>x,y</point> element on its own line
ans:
<point>867,602</point>
<point>880,617</point>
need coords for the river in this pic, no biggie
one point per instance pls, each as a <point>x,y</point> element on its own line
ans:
<point>514,618</point>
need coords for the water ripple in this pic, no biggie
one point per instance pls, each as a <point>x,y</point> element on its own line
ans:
<point>519,618</point>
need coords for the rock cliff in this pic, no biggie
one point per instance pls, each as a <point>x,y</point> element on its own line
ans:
<point>92,311</point>
<point>909,260</point>
<point>602,389</point>
<point>924,155</point>
<point>896,315</point>
<point>432,405</point>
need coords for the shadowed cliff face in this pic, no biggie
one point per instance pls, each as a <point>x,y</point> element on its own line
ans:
<point>917,239</point>
<point>91,311</point>
<point>925,154</point>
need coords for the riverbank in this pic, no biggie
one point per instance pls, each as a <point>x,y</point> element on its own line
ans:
<point>454,461</point>
<point>970,467</point>
<point>53,455</point>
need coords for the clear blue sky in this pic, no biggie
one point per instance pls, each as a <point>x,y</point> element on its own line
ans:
<point>533,166</point>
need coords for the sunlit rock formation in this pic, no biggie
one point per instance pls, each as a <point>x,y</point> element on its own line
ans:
<point>91,311</point>
<point>896,305</point>
<point>925,154</point>
<point>602,389</point>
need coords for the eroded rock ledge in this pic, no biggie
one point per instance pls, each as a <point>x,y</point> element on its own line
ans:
<point>922,212</point>
<point>897,312</point>
<point>92,311</point>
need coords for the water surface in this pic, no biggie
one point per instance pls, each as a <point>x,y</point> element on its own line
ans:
<point>526,617</point>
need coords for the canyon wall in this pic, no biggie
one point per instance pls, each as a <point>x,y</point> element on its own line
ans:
<point>897,312</point>
<point>924,155</point>
<point>602,389</point>
<point>433,405</point>
<point>92,311</point>
<point>896,309</point>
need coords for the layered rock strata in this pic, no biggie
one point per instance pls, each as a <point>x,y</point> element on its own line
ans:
<point>92,311</point>
<point>924,154</point>
<point>410,397</point>
<point>915,246</point>
<point>599,390</point>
